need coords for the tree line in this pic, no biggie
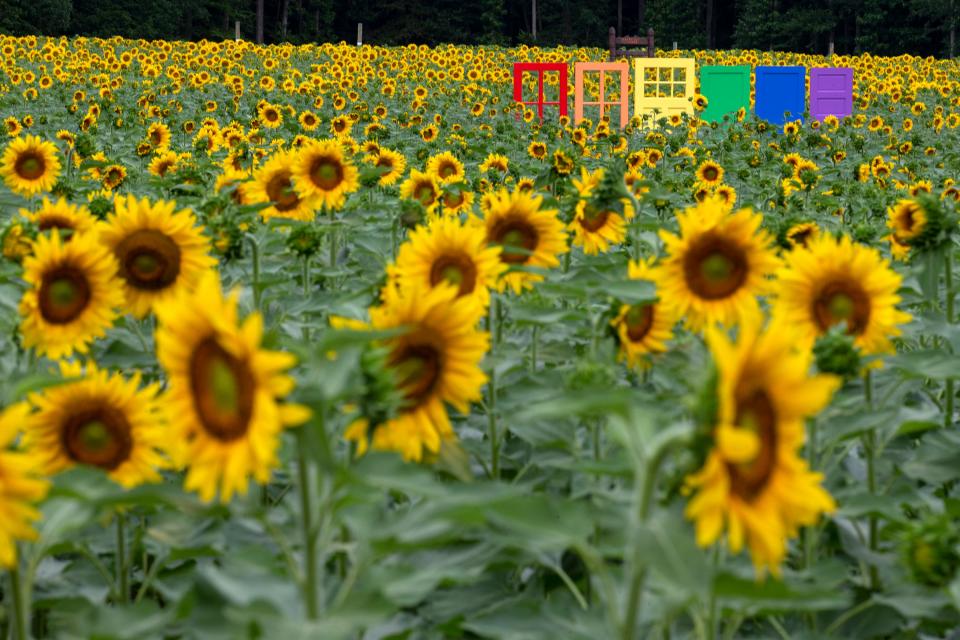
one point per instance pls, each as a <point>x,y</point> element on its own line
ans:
<point>922,27</point>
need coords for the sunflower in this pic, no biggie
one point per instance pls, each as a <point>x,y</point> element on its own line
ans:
<point>753,484</point>
<point>446,167</point>
<point>164,163</point>
<point>321,171</point>
<point>800,234</point>
<point>898,250</point>
<point>308,120</point>
<point>436,362</point>
<point>159,252</point>
<point>456,198</point>
<point>449,251</point>
<point>595,229</point>
<point>907,219</point>
<point>158,135</point>
<point>718,264</point>
<point>222,401</point>
<point>643,329</point>
<point>495,161</point>
<point>530,236</point>
<point>113,176</point>
<point>100,420</point>
<point>391,164</point>
<point>562,163</point>
<point>30,165</point>
<point>836,280</point>
<point>709,173</point>
<point>73,295</point>
<point>537,150</point>
<point>273,182</point>
<point>68,218</point>
<point>21,484</point>
<point>422,187</point>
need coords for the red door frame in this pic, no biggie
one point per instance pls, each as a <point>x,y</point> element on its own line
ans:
<point>519,68</point>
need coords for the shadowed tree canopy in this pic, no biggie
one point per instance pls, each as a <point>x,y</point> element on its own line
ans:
<point>923,27</point>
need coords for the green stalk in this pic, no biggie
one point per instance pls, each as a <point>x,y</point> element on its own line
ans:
<point>255,266</point>
<point>123,580</point>
<point>949,391</point>
<point>494,328</point>
<point>870,448</point>
<point>333,239</point>
<point>534,344</point>
<point>20,613</point>
<point>309,535</point>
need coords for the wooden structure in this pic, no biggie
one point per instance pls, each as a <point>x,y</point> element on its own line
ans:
<point>604,68</point>
<point>662,87</point>
<point>619,45</point>
<point>540,68</point>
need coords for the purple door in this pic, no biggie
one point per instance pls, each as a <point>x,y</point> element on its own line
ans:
<point>831,92</point>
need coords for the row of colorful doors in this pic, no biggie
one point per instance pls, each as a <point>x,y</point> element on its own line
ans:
<point>665,86</point>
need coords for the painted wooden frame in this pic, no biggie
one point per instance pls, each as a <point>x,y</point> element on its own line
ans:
<point>581,68</point>
<point>662,87</point>
<point>831,92</point>
<point>520,68</point>
<point>780,90</point>
<point>726,88</point>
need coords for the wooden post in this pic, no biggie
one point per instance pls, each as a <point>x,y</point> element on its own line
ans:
<point>612,40</point>
<point>236,30</point>
<point>359,34</point>
<point>620,17</point>
<point>533,5</point>
<point>259,21</point>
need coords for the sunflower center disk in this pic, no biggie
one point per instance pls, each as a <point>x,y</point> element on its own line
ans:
<point>593,220</point>
<point>447,170</point>
<point>756,414</point>
<point>715,268</point>
<point>639,320</point>
<point>55,222</point>
<point>99,437</point>
<point>149,259</point>
<point>326,174</point>
<point>223,389</point>
<point>29,167</point>
<point>281,192</point>
<point>457,270</point>
<point>518,240</point>
<point>842,302</point>
<point>417,369</point>
<point>425,194</point>
<point>63,296</point>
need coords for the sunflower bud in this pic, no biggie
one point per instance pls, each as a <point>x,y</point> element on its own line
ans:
<point>835,353</point>
<point>304,240</point>
<point>931,549</point>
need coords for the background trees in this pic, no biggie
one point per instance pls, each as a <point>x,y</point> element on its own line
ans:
<point>925,27</point>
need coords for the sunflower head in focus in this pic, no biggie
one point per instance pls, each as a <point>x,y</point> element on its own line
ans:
<point>73,294</point>
<point>101,420</point>
<point>223,401</point>
<point>716,267</point>
<point>435,362</point>
<point>643,329</point>
<point>30,166</point>
<point>67,218</point>
<point>422,187</point>
<point>391,165</point>
<point>158,250</point>
<point>446,167</point>
<point>321,171</point>
<point>273,183</point>
<point>709,173</point>
<point>835,280</point>
<point>754,486</point>
<point>23,484</point>
<point>528,235</point>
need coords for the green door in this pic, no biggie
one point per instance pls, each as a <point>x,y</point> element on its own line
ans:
<point>726,89</point>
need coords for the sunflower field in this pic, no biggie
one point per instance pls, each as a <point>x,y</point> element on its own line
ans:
<point>340,342</point>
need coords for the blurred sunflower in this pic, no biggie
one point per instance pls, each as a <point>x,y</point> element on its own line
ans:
<point>422,187</point>
<point>595,229</point>
<point>100,420</point>
<point>836,280</point>
<point>158,251</point>
<point>446,167</point>
<point>452,252</point>
<point>435,362</point>
<point>158,135</point>
<point>21,484</point>
<point>643,329</point>
<point>68,218</point>
<point>164,163</point>
<point>273,183</point>
<point>73,296</point>
<point>800,234</point>
<point>391,164</point>
<point>30,165</point>
<point>529,235</point>
<point>718,264</point>
<point>753,485</point>
<point>906,219</point>
<point>223,397</point>
<point>321,171</point>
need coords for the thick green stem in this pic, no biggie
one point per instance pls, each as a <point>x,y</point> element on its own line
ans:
<point>123,579</point>
<point>333,239</point>
<point>494,328</point>
<point>949,391</point>
<point>255,266</point>
<point>20,614</point>
<point>310,589</point>
<point>534,345</point>
<point>870,448</point>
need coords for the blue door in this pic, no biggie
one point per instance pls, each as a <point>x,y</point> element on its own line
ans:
<point>780,91</point>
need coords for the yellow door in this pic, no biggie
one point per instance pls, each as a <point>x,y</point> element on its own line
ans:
<point>662,87</point>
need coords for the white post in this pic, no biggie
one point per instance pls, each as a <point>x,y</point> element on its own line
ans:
<point>359,34</point>
<point>674,45</point>
<point>236,30</point>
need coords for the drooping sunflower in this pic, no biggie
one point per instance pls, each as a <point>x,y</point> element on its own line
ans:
<point>391,163</point>
<point>30,165</point>
<point>836,280</point>
<point>643,329</point>
<point>158,135</point>
<point>164,163</point>
<point>158,251</point>
<point>495,162</point>
<point>73,296</point>
<point>753,485</point>
<point>223,401</point>
<point>446,167</point>
<point>100,420</point>
<point>710,173</point>
<point>906,219</point>
<point>422,187</point>
<point>800,234</point>
<point>452,252</point>
<point>21,484</point>
<point>68,218</point>
<point>273,182</point>
<point>529,235</point>
<point>321,171</point>
<point>436,362</point>
<point>718,264</point>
